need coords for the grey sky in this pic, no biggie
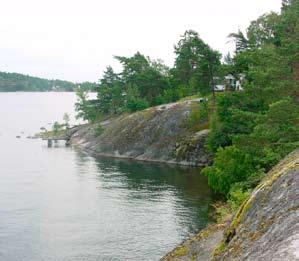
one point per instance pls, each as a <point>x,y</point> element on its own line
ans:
<point>75,40</point>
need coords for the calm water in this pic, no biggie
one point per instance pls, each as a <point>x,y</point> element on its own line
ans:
<point>61,204</point>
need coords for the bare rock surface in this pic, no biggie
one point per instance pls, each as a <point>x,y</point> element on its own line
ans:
<point>199,247</point>
<point>266,227</point>
<point>159,134</point>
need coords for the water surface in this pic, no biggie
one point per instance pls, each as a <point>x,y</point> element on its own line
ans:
<point>61,204</point>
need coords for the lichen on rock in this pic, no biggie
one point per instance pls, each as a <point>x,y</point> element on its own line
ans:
<point>266,226</point>
<point>198,247</point>
<point>159,134</point>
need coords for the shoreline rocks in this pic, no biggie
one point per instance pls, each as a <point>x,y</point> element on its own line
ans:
<point>265,227</point>
<point>157,134</point>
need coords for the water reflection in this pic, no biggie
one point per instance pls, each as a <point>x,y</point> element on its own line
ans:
<point>61,204</point>
<point>154,184</point>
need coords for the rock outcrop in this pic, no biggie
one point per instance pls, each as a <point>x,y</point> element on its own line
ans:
<point>266,227</point>
<point>160,133</point>
<point>198,247</point>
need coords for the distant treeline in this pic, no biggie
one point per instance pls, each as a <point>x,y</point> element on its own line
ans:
<point>13,82</point>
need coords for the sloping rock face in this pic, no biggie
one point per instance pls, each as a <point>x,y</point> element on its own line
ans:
<point>200,247</point>
<point>267,225</point>
<point>157,134</point>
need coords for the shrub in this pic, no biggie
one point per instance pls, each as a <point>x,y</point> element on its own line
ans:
<point>194,116</point>
<point>137,104</point>
<point>199,116</point>
<point>237,196</point>
<point>231,165</point>
<point>56,127</point>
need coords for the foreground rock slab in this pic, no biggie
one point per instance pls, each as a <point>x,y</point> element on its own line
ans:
<point>265,228</point>
<point>267,225</point>
<point>199,247</point>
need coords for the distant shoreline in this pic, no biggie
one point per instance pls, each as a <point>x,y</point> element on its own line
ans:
<point>16,82</point>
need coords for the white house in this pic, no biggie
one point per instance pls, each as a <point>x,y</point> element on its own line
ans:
<point>219,88</point>
<point>230,83</point>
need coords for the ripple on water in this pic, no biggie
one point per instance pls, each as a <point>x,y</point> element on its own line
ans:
<point>61,204</point>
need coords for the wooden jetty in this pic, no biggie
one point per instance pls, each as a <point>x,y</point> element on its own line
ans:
<point>66,136</point>
<point>55,139</point>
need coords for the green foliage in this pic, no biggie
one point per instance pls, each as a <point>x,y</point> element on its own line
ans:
<point>252,130</point>
<point>134,101</point>
<point>56,127</point>
<point>110,94</point>
<point>88,86</point>
<point>237,196</point>
<point>86,109</point>
<point>236,114</point>
<point>13,82</point>
<point>275,134</point>
<point>231,165</point>
<point>144,82</point>
<point>199,116</point>
<point>66,120</point>
<point>149,78</point>
<point>204,111</point>
<point>264,31</point>
<point>196,63</point>
<point>240,40</point>
<point>137,104</point>
<point>194,116</point>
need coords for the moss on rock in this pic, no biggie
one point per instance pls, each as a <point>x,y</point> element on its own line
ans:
<point>155,134</point>
<point>264,218</point>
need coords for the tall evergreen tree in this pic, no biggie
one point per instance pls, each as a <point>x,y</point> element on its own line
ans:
<point>196,63</point>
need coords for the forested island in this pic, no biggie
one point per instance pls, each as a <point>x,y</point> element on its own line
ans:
<point>14,82</point>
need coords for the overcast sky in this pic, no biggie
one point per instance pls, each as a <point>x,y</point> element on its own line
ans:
<point>76,40</point>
